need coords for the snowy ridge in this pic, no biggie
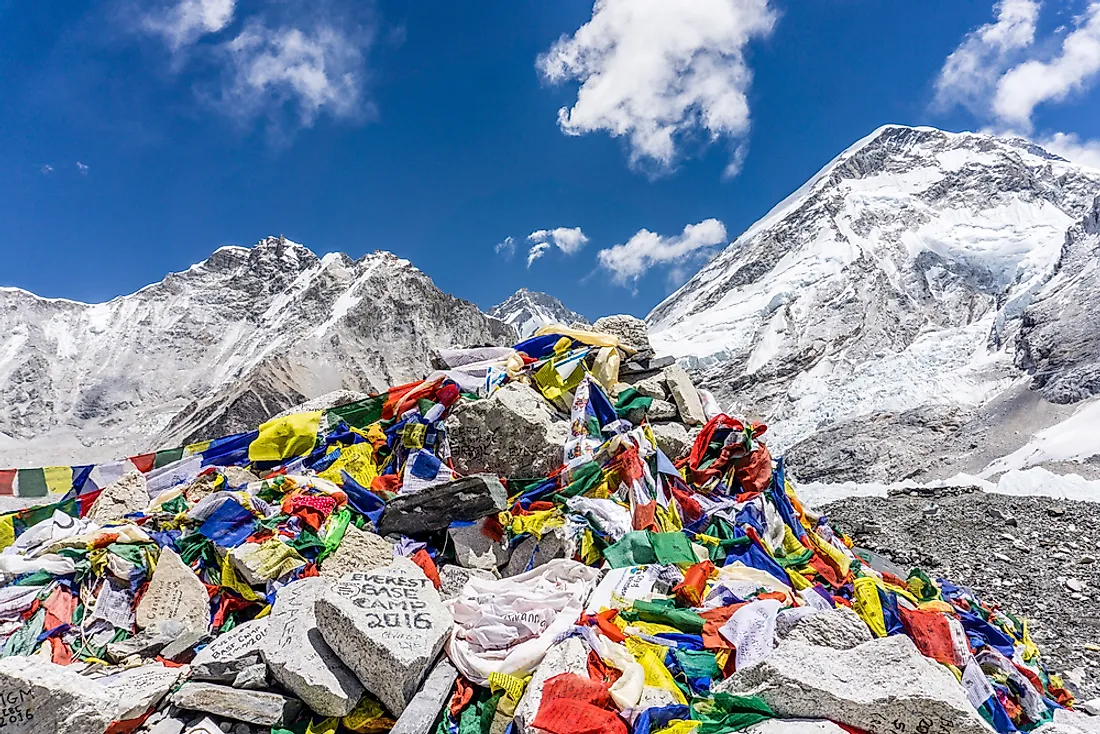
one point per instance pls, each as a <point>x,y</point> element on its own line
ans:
<point>215,348</point>
<point>528,311</point>
<point>896,278</point>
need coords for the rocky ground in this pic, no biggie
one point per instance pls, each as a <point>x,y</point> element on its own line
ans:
<point>1030,555</point>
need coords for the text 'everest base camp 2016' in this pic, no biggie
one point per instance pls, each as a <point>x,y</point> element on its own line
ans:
<point>383,510</point>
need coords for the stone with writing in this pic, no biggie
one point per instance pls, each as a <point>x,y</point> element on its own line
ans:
<point>298,656</point>
<point>174,592</point>
<point>230,653</point>
<point>253,707</point>
<point>137,690</point>
<point>388,625</point>
<point>39,697</point>
<point>882,687</point>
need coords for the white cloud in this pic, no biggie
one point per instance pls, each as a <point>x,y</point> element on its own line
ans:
<point>1073,148</point>
<point>186,21</point>
<point>47,169</point>
<point>569,240</point>
<point>82,168</point>
<point>314,71</point>
<point>536,252</point>
<point>507,247</point>
<point>655,71</point>
<point>630,260</point>
<point>969,75</point>
<point>1033,82</point>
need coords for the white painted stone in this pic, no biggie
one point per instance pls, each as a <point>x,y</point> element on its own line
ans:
<point>174,592</point>
<point>388,625</point>
<point>884,686</point>
<point>299,657</point>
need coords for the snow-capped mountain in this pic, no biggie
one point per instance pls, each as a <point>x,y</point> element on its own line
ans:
<point>528,311</point>
<point>214,349</point>
<point>914,278</point>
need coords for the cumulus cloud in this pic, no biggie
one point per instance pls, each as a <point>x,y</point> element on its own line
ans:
<point>537,251</point>
<point>569,240</point>
<point>1072,69</point>
<point>311,71</point>
<point>1073,148</point>
<point>186,21</point>
<point>629,261</point>
<point>507,247</point>
<point>657,71</point>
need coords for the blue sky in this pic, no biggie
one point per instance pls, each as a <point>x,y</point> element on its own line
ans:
<point>137,137</point>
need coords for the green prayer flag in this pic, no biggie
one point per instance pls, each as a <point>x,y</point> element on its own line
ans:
<point>665,611</point>
<point>672,548</point>
<point>725,713</point>
<point>585,477</point>
<point>697,663</point>
<point>630,399</point>
<point>634,549</point>
<point>362,413</point>
<point>32,483</point>
<point>166,457</point>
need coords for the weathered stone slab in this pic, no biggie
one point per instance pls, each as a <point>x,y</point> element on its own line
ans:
<point>299,657</point>
<point>139,689</point>
<point>253,707</point>
<point>181,649</point>
<point>254,678</point>
<point>39,697</point>
<point>388,625</point>
<point>883,687</point>
<point>129,493</point>
<point>435,507</point>
<point>174,592</point>
<point>652,387</point>
<point>230,653</point>
<point>146,643</point>
<point>840,629</point>
<point>425,709</point>
<point>360,550</point>
<point>685,395</point>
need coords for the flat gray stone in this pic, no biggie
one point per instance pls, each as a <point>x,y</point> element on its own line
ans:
<point>425,709</point>
<point>673,439</point>
<point>167,725</point>
<point>474,549</point>
<point>388,625</point>
<point>298,656</point>
<point>174,593</point>
<point>652,387</point>
<point>129,493</point>
<point>230,653</point>
<point>254,678</point>
<point>40,697</point>
<point>180,649</point>
<point>253,707</point>
<point>147,643</point>
<point>137,690</point>
<point>685,395</point>
<point>435,507</point>
<point>532,552</point>
<point>662,410</point>
<point>883,687</point>
<point>360,550</point>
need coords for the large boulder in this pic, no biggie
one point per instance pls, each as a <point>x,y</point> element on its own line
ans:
<point>435,507</point>
<point>388,625</point>
<point>630,330</point>
<point>298,656</point>
<point>174,593</point>
<point>883,687</point>
<point>840,629</point>
<point>673,438</point>
<point>129,493</point>
<point>40,697</point>
<point>253,707</point>
<point>514,433</point>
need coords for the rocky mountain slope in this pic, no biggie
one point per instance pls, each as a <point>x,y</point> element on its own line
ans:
<point>872,314</point>
<point>215,349</point>
<point>528,311</point>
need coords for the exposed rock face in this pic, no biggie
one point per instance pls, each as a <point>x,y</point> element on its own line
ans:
<point>130,493</point>
<point>898,688</point>
<point>388,625</point>
<point>515,433</point>
<point>1059,342</point>
<point>528,311</point>
<point>435,507</point>
<point>688,403</point>
<point>861,294</point>
<point>215,349</point>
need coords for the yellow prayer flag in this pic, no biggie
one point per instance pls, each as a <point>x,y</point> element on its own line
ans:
<point>59,479</point>
<point>7,532</point>
<point>286,437</point>
<point>358,461</point>
<point>868,606</point>
<point>512,686</point>
<point>196,448</point>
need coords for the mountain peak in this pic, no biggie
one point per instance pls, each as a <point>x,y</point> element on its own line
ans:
<point>529,310</point>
